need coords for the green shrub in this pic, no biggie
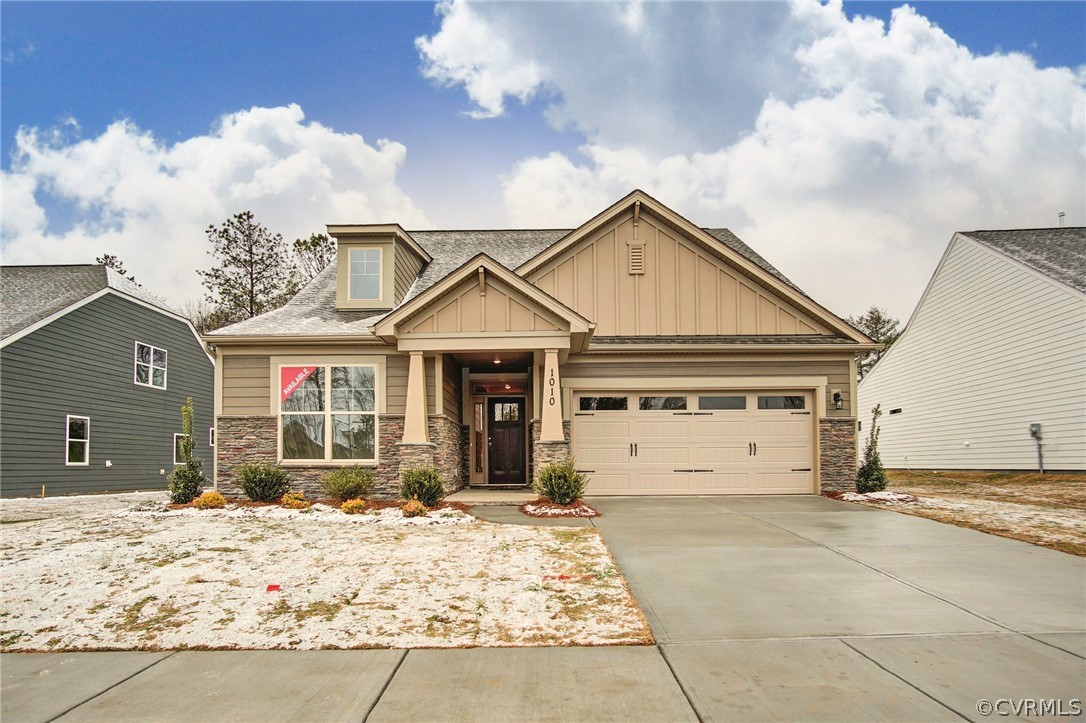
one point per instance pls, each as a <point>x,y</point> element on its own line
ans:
<point>209,501</point>
<point>295,501</point>
<point>348,483</point>
<point>187,479</point>
<point>263,482</point>
<point>423,484</point>
<point>413,508</point>
<point>353,507</point>
<point>871,477</point>
<point>560,482</point>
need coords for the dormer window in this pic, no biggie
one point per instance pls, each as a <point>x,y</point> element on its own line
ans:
<point>365,273</point>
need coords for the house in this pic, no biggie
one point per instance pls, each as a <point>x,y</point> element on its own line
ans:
<point>93,373</point>
<point>996,344</point>
<point>665,358</point>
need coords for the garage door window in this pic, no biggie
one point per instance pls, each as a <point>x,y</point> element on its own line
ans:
<point>603,404</point>
<point>713,403</point>
<point>656,404</point>
<point>781,402</point>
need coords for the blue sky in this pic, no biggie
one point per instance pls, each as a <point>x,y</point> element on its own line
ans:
<point>574,119</point>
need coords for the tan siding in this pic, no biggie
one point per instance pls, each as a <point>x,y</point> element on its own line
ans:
<point>246,384</point>
<point>466,310</point>
<point>684,290</point>
<point>452,388</point>
<point>396,384</point>
<point>407,269</point>
<point>836,372</point>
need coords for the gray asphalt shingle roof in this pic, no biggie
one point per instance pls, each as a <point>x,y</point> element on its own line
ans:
<point>29,294</point>
<point>312,312</point>
<point>1059,253</point>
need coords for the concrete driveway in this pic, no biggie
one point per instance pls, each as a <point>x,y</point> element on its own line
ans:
<point>784,608</point>
<point>806,608</point>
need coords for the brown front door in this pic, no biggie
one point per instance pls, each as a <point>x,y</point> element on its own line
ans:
<point>506,433</point>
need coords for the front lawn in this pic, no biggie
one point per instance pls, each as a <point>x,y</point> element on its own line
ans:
<point>1048,509</point>
<point>90,573</point>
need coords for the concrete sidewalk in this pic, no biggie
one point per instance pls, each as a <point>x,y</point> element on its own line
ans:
<point>783,608</point>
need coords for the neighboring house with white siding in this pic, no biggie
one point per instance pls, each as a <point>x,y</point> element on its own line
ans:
<point>997,343</point>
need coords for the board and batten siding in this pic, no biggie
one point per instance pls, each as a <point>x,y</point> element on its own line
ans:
<point>682,289</point>
<point>836,371</point>
<point>991,348</point>
<point>83,364</point>
<point>247,379</point>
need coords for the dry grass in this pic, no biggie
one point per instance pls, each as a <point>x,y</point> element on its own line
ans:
<point>1047,510</point>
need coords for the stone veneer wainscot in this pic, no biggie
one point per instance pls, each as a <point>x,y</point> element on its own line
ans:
<point>837,453</point>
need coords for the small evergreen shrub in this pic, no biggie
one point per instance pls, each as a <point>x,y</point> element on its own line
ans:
<point>353,507</point>
<point>349,483</point>
<point>263,482</point>
<point>423,484</point>
<point>209,501</point>
<point>187,479</point>
<point>871,477</point>
<point>413,508</point>
<point>295,501</point>
<point>560,482</point>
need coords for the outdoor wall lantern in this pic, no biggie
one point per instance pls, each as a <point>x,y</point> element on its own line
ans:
<point>838,401</point>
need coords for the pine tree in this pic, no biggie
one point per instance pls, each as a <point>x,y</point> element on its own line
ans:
<point>312,255</point>
<point>871,477</point>
<point>254,273</point>
<point>882,328</point>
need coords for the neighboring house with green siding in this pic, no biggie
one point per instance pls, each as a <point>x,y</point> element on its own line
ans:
<point>93,373</point>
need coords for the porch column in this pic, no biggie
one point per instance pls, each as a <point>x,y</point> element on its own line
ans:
<point>551,426</point>
<point>414,424</point>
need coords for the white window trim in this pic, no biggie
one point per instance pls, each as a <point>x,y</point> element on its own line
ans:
<point>176,462</point>
<point>151,367</point>
<point>380,273</point>
<point>67,431</point>
<point>378,409</point>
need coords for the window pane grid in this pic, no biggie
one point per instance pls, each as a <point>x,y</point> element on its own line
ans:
<point>77,441</point>
<point>365,274</point>
<point>331,421</point>
<point>150,366</point>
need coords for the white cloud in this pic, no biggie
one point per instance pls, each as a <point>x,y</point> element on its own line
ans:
<point>149,203</point>
<point>869,146</point>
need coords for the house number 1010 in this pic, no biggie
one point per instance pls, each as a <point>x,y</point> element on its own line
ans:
<point>550,383</point>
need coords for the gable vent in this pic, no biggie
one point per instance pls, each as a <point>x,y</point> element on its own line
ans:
<point>637,259</point>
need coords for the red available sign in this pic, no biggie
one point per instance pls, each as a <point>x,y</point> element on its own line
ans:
<point>290,378</point>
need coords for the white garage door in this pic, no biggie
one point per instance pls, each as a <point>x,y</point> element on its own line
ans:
<point>676,443</point>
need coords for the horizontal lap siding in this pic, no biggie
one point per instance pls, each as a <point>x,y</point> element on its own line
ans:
<point>246,385</point>
<point>992,348</point>
<point>837,372</point>
<point>452,388</point>
<point>82,364</point>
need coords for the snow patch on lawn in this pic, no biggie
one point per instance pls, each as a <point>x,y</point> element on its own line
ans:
<point>889,498</point>
<point>546,508</point>
<point>105,576</point>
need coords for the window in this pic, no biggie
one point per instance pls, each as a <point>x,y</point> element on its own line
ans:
<point>77,441</point>
<point>178,453</point>
<point>328,413</point>
<point>653,404</point>
<point>150,366</point>
<point>603,404</point>
<point>722,402</point>
<point>781,402</point>
<point>507,411</point>
<point>896,411</point>
<point>211,437</point>
<point>365,274</point>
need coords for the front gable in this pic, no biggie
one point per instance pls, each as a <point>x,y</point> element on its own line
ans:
<point>639,269</point>
<point>482,300</point>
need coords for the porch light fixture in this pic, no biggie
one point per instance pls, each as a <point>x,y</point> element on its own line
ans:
<point>508,387</point>
<point>838,402</point>
<point>497,359</point>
